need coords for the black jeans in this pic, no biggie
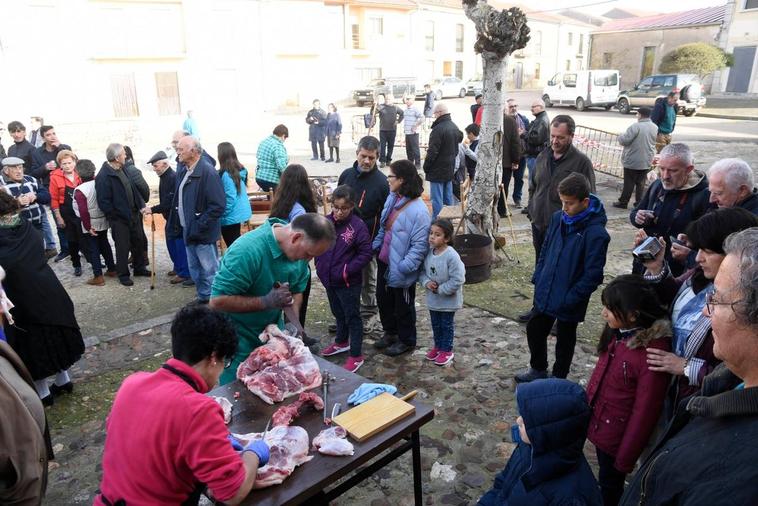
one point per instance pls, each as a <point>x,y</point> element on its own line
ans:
<point>345,303</point>
<point>304,305</point>
<point>610,479</point>
<point>538,238</point>
<point>99,245</point>
<point>320,145</point>
<point>76,242</point>
<point>386,145</point>
<point>397,307</point>
<point>412,150</point>
<point>266,185</point>
<point>128,237</point>
<point>230,233</point>
<point>537,331</point>
<point>518,184</point>
<point>633,180</point>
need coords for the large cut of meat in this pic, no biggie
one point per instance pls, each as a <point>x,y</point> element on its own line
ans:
<point>288,448</point>
<point>285,414</point>
<point>333,441</point>
<point>226,406</point>
<point>281,368</point>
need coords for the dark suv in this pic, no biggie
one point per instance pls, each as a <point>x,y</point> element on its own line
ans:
<point>691,97</point>
<point>399,87</point>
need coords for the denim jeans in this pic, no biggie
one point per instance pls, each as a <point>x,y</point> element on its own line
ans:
<point>443,328</point>
<point>412,150</point>
<point>203,264</point>
<point>47,230</point>
<point>346,308</point>
<point>98,246</point>
<point>530,164</point>
<point>442,195</point>
<point>266,185</point>
<point>178,253</point>
<point>368,290</point>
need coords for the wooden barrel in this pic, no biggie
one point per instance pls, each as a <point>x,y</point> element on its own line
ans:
<point>476,253</point>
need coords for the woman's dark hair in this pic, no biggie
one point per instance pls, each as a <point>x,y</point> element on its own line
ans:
<point>294,186</point>
<point>447,228</point>
<point>86,170</point>
<point>711,230</point>
<point>8,204</point>
<point>344,192</point>
<point>229,163</point>
<point>630,294</point>
<point>412,186</point>
<point>331,104</point>
<point>129,154</point>
<point>198,331</point>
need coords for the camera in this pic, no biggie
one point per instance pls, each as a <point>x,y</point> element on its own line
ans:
<point>647,250</point>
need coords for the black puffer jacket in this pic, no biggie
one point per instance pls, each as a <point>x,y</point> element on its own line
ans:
<point>439,164</point>
<point>537,136</point>
<point>371,190</point>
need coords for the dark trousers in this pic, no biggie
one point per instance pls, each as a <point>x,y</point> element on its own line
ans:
<point>518,185</point>
<point>633,180</point>
<point>266,185</point>
<point>304,305</point>
<point>397,307</point>
<point>76,244</point>
<point>412,150</point>
<point>230,233</point>
<point>386,145</point>
<point>128,238</point>
<point>99,245</point>
<point>320,145</point>
<point>538,238</point>
<point>345,303</point>
<point>610,479</point>
<point>334,150</point>
<point>443,329</point>
<point>177,251</point>
<point>63,240</point>
<point>537,331</point>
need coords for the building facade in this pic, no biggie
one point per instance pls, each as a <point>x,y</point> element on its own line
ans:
<point>741,41</point>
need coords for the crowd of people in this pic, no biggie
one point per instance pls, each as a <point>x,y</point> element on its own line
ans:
<point>672,394</point>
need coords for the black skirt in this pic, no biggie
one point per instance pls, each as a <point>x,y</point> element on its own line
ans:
<point>45,349</point>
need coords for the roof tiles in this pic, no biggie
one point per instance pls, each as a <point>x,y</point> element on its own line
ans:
<point>705,16</point>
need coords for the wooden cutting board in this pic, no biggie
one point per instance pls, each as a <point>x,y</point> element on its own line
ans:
<point>375,415</point>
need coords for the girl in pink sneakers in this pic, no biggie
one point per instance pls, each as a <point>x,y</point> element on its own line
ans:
<point>340,271</point>
<point>442,276</point>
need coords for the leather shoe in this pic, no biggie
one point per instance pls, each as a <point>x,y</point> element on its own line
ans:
<point>111,274</point>
<point>171,273</point>
<point>63,389</point>
<point>525,317</point>
<point>143,273</point>
<point>96,281</point>
<point>188,282</point>
<point>530,375</point>
<point>385,341</point>
<point>309,341</point>
<point>332,328</point>
<point>77,271</point>
<point>126,281</point>
<point>177,279</point>
<point>398,349</point>
<point>620,205</point>
<point>48,401</point>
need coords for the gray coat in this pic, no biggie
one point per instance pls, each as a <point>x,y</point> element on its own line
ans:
<point>639,145</point>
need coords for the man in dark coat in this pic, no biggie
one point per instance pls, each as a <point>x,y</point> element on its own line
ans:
<point>511,158</point>
<point>518,173</point>
<point>548,466</point>
<point>439,164</point>
<point>536,137</point>
<point>122,204</point>
<point>707,453</point>
<point>21,147</point>
<point>390,116</point>
<point>174,242</point>
<point>316,119</point>
<point>196,211</point>
<point>428,102</point>
<point>371,189</point>
<point>476,106</point>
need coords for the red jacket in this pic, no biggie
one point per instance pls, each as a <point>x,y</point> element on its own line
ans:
<point>626,397</point>
<point>58,184</point>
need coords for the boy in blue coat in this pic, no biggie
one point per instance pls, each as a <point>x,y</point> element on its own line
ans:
<point>569,269</point>
<point>548,466</point>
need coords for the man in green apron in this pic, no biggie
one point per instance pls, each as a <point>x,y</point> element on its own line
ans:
<point>264,272</point>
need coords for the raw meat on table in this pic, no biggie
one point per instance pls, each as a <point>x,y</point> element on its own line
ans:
<point>226,406</point>
<point>333,441</point>
<point>288,448</point>
<point>281,368</point>
<point>285,414</point>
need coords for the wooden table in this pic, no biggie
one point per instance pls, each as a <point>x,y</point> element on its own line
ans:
<point>309,481</point>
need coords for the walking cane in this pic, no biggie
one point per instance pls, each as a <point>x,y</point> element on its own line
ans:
<point>510,221</point>
<point>152,253</point>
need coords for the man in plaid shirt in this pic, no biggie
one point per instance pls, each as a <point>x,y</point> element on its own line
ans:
<point>25,190</point>
<point>272,159</point>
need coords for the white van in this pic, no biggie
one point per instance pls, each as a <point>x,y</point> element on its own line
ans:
<point>582,89</point>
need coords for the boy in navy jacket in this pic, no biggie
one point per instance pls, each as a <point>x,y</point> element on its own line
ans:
<point>569,269</point>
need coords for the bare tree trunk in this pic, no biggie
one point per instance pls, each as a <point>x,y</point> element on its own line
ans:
<point>499,33</point>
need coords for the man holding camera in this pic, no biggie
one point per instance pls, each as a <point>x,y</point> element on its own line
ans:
<point>679,196</point>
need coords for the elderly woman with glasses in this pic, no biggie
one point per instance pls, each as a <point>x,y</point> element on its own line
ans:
<point>166,440</point>
<point>692,357</point>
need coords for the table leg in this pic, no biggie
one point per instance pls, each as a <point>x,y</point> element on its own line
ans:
<point>416,451</point>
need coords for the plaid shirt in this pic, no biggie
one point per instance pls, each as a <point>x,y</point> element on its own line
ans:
<point>272,159</point>
<point>411,119</point>
<point>32,212</point>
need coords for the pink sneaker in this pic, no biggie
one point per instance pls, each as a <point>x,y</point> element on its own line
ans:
<point>432,354</point>
<point>353,363</point>
<point>335,348</point>
<point>444,358</point>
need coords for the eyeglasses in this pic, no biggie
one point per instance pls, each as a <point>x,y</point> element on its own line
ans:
<point>228,362</point>
<point>342,209</point>
<point>710,302</point>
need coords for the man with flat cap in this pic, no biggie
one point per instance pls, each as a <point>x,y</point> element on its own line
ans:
<point>174,243</point>
<point>25,190</point>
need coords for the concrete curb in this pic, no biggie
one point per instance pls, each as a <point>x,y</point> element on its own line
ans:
<point>129,329</point>
<point>727,116</point>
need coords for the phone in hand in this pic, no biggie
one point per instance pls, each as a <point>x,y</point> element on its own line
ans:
<point>674,240</point>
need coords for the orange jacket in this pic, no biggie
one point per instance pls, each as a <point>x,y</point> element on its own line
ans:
<point>58,184</point>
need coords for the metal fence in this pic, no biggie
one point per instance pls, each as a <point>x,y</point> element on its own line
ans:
<point>602,148</point>
<point>360,130</point>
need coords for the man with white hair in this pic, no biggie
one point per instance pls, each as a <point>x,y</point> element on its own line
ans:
<point>536,137</point>
<point>732,184</point>
<point>439,164</point>
<point>707,453</point>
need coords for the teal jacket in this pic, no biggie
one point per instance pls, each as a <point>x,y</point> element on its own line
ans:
<point>237,209</point>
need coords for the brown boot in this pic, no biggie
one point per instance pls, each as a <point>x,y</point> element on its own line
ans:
<point>96,281</point>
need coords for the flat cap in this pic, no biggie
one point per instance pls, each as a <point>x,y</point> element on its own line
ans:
<point>12,160</point>
<point>160,155</point>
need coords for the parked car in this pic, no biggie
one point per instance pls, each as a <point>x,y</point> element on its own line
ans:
<point>644,93</point>
<point>446,87</point>
<point>474,87</point>
<point>582,89</point>
<point>399,87</point>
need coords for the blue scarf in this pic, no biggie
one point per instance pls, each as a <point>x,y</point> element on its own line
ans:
<point>571,220</point>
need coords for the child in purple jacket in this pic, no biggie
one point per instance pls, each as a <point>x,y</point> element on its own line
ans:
<point>340,271</point>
